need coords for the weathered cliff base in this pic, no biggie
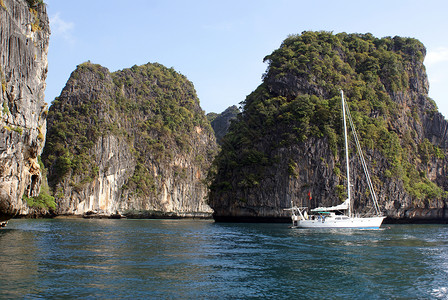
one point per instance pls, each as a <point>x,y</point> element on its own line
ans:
<point>146,214</point>
<point>420,216</point>
<point>250,219</point>
<point>415,216</point>
<point>152,214</point>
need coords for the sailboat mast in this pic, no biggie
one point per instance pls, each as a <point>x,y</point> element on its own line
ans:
<point>346,155</point>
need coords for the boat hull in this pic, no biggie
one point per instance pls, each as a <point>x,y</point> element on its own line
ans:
<point>360,223</point>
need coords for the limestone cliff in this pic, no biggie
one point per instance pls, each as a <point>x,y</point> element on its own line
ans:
<point>24,36</point>
<point>287,143</point>
<point>134,142</point>
<point>221,122</point>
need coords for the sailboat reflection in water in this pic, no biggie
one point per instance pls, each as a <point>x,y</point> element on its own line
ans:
<point>340,216</point>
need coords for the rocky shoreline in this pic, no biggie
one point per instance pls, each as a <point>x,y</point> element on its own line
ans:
<point>420,216</point>
<point>412,216</point>
<point>150,214</point>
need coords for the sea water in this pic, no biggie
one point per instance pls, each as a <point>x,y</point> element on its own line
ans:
<point>188,259</point>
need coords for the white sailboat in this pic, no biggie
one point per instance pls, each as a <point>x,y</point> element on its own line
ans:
<point>341,216</point>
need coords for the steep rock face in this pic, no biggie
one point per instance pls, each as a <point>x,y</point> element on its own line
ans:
<point>221,122</point>
<point>24,36</point>
<point>287,144</point>
<point>115,166</point>
<point>134,142</point>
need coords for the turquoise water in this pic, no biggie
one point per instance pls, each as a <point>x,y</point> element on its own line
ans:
<point>186,259</point>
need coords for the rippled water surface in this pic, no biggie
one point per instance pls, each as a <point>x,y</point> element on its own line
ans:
<point>187,259</point>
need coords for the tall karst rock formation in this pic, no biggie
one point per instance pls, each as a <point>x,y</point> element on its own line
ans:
<point>221,122</point>
<point>286,146</point>
<point>134,142</point>
<point>24,36</point>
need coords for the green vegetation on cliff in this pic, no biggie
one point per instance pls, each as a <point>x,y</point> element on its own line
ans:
<point>221,122</point>
<point>44,201</point>
<point>299,99</point>
<point>153,108</point>
<point>74,126</point>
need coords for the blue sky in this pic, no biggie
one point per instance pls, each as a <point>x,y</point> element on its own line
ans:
<point>220,45</point>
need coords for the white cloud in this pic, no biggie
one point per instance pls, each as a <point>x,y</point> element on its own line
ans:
<point>436,56</point>
<point>61,28</point>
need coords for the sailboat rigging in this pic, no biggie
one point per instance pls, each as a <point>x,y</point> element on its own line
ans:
<point>326,217</point>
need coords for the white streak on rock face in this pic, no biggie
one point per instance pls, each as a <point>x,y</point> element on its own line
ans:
<point>104,192</point>
<point>180,194</point>
<point>23,70</point>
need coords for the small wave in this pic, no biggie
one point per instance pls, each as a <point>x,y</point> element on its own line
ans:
<point>440,293</point>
